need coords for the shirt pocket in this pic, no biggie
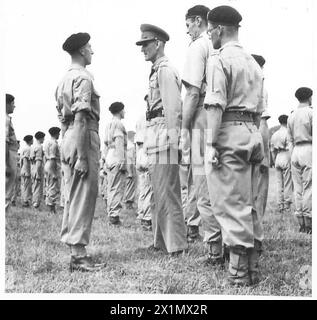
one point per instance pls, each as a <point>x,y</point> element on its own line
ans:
<point>156,137</point>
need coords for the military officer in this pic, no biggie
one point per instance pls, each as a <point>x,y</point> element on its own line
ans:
<point>11,151</point>
<point>37,166</point>
<point>280,149</point>
<point>131,174</point>
<point>300,130</point>
<point>79,110</point>
<point>116,162</point>
<point>161,142</point>
<point>262,180</point>
<point>144,185</point>
<point>26,182</point>
<point>234,102</point>
<point>53,169</point>
<point>194,121</point>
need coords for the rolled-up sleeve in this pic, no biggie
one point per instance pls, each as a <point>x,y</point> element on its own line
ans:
<point>169,86</point>
<point>216,93</point>
<point>82,90</point>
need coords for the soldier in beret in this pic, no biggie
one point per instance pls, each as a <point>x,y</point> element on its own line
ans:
<point>280,144</point>
<point>37,168</point>
<point>300,131</point>
<point>194,124</point>
<point>11,151</point>
<point>234,103</point>
<point>115,149</point>
<point>52,168</point>
<point>25,163</point>
<point>78,111</point>
<point>262,169</point>
<point>161,142</point>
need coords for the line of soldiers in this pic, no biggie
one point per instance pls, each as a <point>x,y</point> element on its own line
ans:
<point>212,136</point>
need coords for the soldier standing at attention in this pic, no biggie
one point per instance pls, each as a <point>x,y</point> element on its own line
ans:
<point>37,167</point>
<point>131,174</point>
<point>53,169</point>
<point>161,142</point>
<point>262,181</point>
<point>300,128</point>
<point>280,144</point>
<point>11,151</point>
<point>144,184</point>
<point>116,162</point>
<point>194,121</point>
<point>79,110</point>
<point>234,103</point>
<point>26,183</point>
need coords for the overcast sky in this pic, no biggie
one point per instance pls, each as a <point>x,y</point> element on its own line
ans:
<point>280,30</point>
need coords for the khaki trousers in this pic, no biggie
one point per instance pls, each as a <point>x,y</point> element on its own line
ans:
<point>52,188</point>
<point>262,188</point>
<point>302,178</point>
<point>130,189</point>
<point>232,185</point>
<point>115,190</point>
<point>80,194</point>
<point>26,189</point>
<point>145,196</point>
<point>168,222</point>
<point>284,178</point>
<point>210,225</point>
<point>11,171</point>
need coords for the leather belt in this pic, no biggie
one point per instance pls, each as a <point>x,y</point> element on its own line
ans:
<point>300,143</point>
<point>154,114</point>
<point>245,116</point>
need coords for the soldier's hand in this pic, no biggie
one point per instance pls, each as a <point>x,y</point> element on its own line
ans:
<point>212,158</point>
<point>81,167</point>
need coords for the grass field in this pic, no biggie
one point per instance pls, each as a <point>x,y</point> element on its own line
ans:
<point>37,262</point>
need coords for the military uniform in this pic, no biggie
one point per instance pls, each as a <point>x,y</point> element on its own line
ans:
<point>26,183</point>
<point>235,91</point>
<point>37,173</point>
<point>11,160</point>
<point>300,132</point>
<point>280,143</point>
<point>144,184</point>
<point>195,75</point>
<point>76,92</point>
<point>116,167</point>
<point>17,185</point>
<point>161,145</point>
<point>53,172</point>
<point>131,175</point>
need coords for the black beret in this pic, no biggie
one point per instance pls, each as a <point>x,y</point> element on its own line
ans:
<point>9,98</point>
<point>116,107</point>
<point>303,93</point>
<point>199,10</point>
<point>39,135</point>
<point>54,130</point>
<point>76,41</point>
<point>224,15</point>
<point>151,32</point>
<point>259,59</point>
<point>28,138</point>
<point>283,119</point>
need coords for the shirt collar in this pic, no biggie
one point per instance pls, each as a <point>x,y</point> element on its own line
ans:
<point>231,44</point>
<point>158,61</point>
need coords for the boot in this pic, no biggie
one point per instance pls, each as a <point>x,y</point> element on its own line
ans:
<point>239,266</point>
<point>215,256</point>
<point>301,222</point>
<point>308,227</point>
<point>192,233</point>
<point>253,256</point>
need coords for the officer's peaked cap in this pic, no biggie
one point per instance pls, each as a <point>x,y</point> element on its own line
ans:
<point>150,32</point>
